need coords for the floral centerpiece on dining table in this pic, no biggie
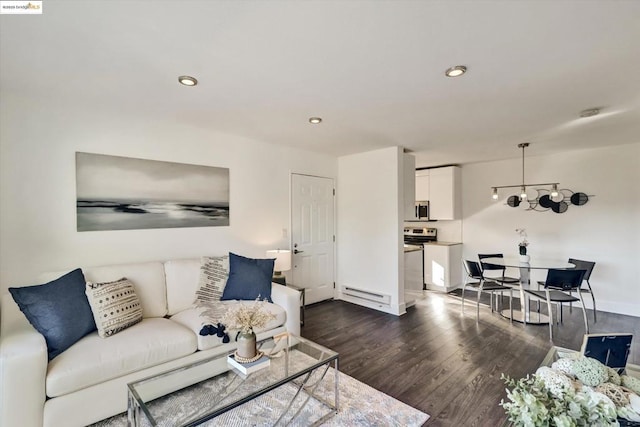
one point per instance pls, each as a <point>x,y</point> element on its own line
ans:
<point>522,246</point>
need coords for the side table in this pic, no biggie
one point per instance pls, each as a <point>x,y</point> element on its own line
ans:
<point>302,301</point>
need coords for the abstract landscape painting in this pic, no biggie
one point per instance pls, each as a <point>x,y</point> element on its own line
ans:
<point>122,193</point>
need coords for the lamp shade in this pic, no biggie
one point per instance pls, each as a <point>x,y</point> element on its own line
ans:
<point>282,257</point>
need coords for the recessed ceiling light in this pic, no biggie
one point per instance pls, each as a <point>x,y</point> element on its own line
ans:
<point>456,71</point>
<point>590,112</point>
<point>315,120</point>
<point>188,80</point>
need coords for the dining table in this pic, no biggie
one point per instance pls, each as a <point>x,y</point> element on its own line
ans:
<point>525,265</point>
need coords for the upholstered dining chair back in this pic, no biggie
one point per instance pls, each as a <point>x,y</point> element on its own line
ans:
<point>587,266</point>
<point>565,280</point>
<point>473,269</point>
<point>488,266</point>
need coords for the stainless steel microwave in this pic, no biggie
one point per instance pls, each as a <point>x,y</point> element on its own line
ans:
<point>422,210</point>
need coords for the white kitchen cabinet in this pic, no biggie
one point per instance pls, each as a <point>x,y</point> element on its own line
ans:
<point>422,185</point>
<point>409,177</point>
<point>445,193</point>
<point>413,270</point>
<point>443,266</point>
<point>413,276</point>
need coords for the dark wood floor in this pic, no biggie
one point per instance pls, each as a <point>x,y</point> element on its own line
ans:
<point>442,362</point>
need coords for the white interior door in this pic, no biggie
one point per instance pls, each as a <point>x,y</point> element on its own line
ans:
<point>312,235</point>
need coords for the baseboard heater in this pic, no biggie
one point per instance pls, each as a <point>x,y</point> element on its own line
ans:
<point>367,295</point>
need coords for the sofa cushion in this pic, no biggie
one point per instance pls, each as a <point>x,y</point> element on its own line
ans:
<point>148,278</point>
<point>182,277</point>
<point>93,360</point>
<point>115,306</point>
<point>192,319</point>
<point>59,310</point>
<point>249,278</point>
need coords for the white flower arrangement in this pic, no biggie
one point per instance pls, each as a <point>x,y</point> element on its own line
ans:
<point>523,234</point>
<point>522,246</point>
<point>246,318</point>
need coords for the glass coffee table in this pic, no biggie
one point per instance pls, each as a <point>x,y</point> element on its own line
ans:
<point>201,391</point>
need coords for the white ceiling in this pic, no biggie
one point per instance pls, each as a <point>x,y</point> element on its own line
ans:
<point>373,70</point>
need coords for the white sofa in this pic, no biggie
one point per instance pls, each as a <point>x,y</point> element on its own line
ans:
<point>87,382</point>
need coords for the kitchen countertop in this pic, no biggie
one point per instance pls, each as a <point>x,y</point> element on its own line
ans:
<point>412,248</point>
<point>439,243</point>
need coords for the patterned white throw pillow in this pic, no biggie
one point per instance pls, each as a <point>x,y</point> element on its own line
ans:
<point>214,272</point>
<point>115,306</point>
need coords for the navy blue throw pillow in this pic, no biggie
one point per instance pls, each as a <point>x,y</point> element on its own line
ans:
<point>59,310</point>
<point>248,278</point>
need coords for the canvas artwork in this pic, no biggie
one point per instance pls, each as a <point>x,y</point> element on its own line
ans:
<point>122,193</point>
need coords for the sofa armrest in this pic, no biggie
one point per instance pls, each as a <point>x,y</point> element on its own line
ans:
<point>23,368</point>
<point>289,299</point>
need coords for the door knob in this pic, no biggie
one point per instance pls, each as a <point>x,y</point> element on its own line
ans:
<point>295,251</point>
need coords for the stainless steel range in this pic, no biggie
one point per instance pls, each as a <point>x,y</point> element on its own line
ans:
<point>419,235</point>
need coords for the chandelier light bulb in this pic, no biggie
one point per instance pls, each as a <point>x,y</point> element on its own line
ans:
<point>554,190</point>
<point>494,193</point>
<point>523,193</point>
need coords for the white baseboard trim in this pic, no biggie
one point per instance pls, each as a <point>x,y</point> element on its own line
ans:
<point>442,288</point>
<point>617,307</point>
<point>629,309</point>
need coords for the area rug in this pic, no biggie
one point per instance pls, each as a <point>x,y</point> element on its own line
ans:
<point>359,405</point>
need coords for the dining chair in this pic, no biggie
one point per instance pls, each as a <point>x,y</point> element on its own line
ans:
<point>474,272</point>
<point>558,282</point>
<point>493,267</point>
<point>587,266</point>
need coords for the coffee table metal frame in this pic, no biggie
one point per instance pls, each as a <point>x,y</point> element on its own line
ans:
<point>148,389</point>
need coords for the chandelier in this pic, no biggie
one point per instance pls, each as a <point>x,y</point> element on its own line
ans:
<point>523,186</point>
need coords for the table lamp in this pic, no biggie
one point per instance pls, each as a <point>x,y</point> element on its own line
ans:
<point>282,263</point>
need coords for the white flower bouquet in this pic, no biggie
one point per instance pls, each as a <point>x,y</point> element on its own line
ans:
<point>246,318</point>
<point>522,246</point>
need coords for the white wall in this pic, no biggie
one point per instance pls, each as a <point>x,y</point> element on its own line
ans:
<point>37,188</point>
<point>370,213</point>
<point>605,230</point>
